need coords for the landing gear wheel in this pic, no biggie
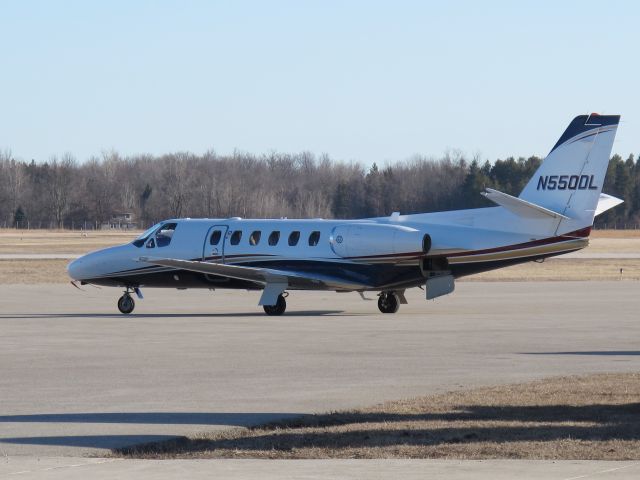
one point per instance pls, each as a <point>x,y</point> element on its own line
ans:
<point>388,302</point>
<point>278,308</point>
<point>126,304</point>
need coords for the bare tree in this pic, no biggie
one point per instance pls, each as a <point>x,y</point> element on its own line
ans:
<point>63,192</point>
<point>60,181</point>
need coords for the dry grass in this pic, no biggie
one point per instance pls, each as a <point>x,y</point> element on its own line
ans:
<point>60,241</point>
<point>589,417</point>
<point>613,245</point>
<point>615,234</point>
<point>27,272</point>
<point>572,269</point>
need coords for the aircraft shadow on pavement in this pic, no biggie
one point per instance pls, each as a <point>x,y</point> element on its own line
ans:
<point>152,418</point>
<point>89,441</point>
<point>119,441</point>
<point>590,352</point>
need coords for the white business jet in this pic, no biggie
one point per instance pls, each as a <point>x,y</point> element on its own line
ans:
<point>551,216</point>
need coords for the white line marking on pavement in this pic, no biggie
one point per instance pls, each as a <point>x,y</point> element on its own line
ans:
<point>603,471</point>
<point>58,467</point>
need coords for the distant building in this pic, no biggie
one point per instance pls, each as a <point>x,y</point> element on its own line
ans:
<point>124,221</point>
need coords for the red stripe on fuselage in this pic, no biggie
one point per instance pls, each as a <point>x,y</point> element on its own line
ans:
<point>582,233</point>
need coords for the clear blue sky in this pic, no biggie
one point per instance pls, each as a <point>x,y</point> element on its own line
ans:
<point>359,80</point>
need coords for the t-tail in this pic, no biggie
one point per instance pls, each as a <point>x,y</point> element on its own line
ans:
<point>569,181</point>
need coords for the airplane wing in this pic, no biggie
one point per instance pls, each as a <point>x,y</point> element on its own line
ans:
<point>263,276</point>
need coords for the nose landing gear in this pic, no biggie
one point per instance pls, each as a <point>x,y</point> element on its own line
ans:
<point>388,302</point>
<point>126,304</point>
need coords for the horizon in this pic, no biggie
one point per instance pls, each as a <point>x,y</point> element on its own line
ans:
<point>452,155</point>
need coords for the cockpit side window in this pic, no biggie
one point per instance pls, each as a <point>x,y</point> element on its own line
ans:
<point>165,234</point>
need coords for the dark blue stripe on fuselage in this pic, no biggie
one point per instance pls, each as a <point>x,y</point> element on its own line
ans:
<point>369,274</point>
<point>381,277</point>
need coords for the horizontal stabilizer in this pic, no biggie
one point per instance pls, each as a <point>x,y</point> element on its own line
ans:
<point>607,202</point>
<point>520,207</point>
<point>259,275</point>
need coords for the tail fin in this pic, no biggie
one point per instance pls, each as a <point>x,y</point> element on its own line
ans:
<point>570,179</point>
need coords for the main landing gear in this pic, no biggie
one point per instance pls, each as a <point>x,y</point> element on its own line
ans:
<point>388,302</point>
<point>126,304</point>
<point>278,308</point>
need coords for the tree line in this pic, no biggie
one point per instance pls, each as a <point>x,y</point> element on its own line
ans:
<point>65,193</point>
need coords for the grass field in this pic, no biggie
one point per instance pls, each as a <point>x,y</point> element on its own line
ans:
<point>615,234</point>
<point>54,271</point>
<point>564,269</point>
<point>60,241</point>
<point>588,417</point>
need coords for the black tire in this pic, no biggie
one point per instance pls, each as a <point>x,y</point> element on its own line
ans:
<point>388,303</point>
<point>126,304</point>
<point>278,308</point>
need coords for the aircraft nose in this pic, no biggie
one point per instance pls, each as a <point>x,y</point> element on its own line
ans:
<point>87,266</point>
<point>98,263</point>
<point>76,268</point>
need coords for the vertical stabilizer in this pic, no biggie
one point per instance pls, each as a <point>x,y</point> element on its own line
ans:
<point>570,179</point>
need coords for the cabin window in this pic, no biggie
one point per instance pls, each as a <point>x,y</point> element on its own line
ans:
<point>314,238</point>
<point>254,238</point>
<point>151,243</point>
<point>235,237</point>
<point>165,234</point>
<point>215,237</point>
<point>293,238</point>
<point>274,238</point>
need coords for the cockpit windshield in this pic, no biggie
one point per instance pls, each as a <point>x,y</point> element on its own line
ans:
<point>140,239</point>
<point>148,232</point>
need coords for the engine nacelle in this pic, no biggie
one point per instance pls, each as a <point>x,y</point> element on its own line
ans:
<point>370,239</point>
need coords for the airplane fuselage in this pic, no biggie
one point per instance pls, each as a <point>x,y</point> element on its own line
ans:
<point>380,253</point>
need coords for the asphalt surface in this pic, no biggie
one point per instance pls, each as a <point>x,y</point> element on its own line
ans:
<point>68,468</point>
<point>78,378</point>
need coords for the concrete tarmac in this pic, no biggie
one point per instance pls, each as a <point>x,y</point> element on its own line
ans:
<point>69,468</point>
<point>77,378</point>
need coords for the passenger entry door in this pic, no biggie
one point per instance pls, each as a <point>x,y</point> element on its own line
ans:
<point>214,242</point>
